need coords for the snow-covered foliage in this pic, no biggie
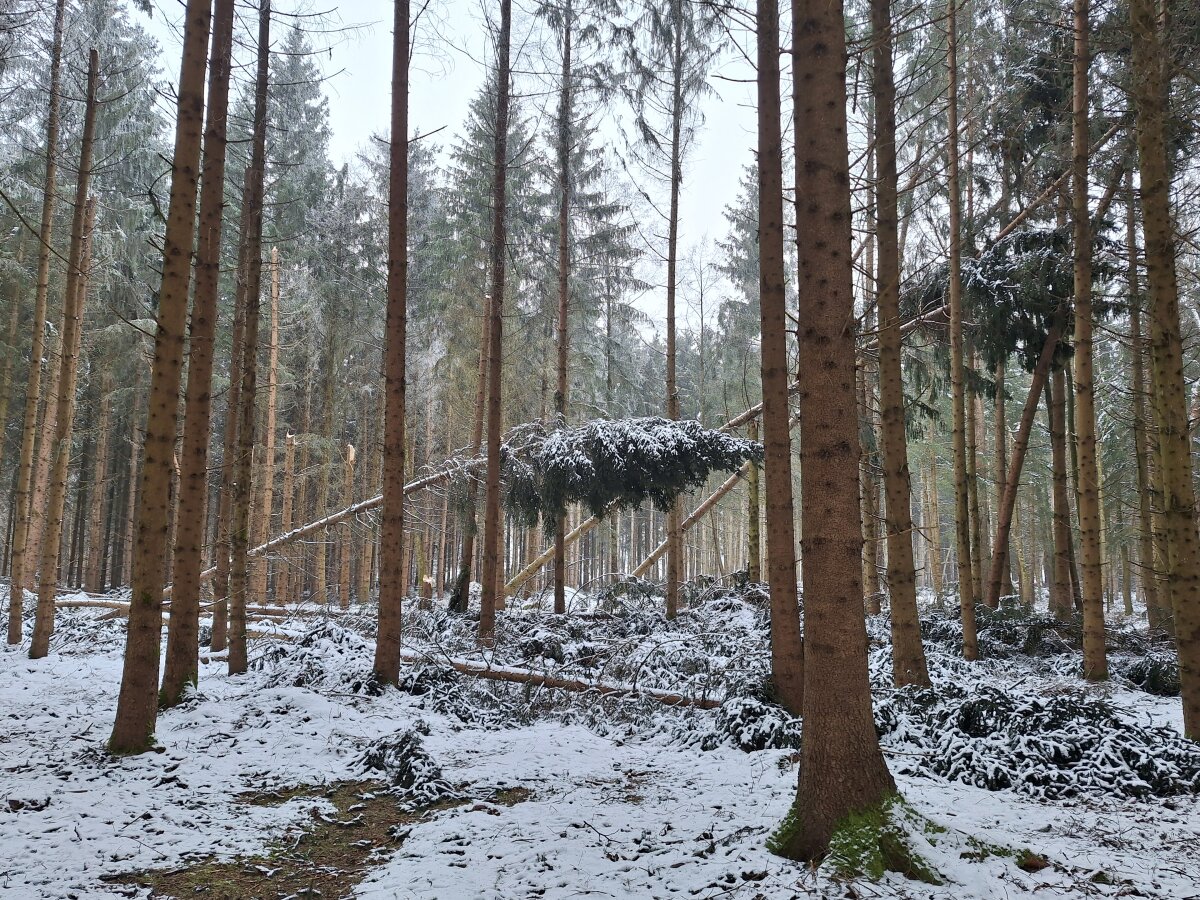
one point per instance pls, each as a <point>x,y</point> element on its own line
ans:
<point>325,657</point>
<point>625,462</point>
<point>402,760</point>
<point>1049,747</point>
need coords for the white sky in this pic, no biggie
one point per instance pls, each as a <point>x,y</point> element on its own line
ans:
<point>448,69</point>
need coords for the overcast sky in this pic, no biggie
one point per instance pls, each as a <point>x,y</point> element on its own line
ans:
<point>448,68</point>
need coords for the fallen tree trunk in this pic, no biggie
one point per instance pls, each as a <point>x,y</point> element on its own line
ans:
<point>541,679</point>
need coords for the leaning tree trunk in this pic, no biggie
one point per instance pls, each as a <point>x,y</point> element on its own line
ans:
<point>842,770</point>
<point>250,273</point>
<point>493,561</point>
<point>1012,478</point>
<point>1095,663</point>
<point>787,645</point>
<point>962,519</point>
<point>183,629</point>
<point>74,298</point>
<point>18,569</point>
<point>137,704</point>
<point>1150,94</point>
<point>908,654</point>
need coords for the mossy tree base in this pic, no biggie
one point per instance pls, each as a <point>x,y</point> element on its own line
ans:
<point>886,838</point>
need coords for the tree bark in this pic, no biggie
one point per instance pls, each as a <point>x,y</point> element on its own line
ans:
<point>674,514</point>
<point>753,513</point>
<point>493,561</point>
<point>74,300</point>
<point>1000,441</point>
<point>564,280</point>
<point>842,770</point>
<point>908,654</point>
<point>19,569</point>
<point>1150,94</point>
<point>962,519</point>
<point>1095,663</point>
<point>183,629</point>
<point>250,274</point>
<point>787,645</point>
<point>137,704</point>
<point>94,562</point>
<point>265,491</point>
<point>1142,448</point>
<point>1060,592</point>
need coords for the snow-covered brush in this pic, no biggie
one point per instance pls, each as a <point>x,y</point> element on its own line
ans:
<point>411,772</point>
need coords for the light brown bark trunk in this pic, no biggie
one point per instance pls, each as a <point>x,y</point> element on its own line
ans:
<point>908,653</point>
<point>787,645</point>
<point>493,560</point>
<point>842,770</point>
<point>183,629</point>
<point>137,704</point>
<point>74,302</point>
<point>20,566</point>
<point>1150,95</point>
<point>1095,662</point>
<point>962,518</point>
<point>250,274</point>
<point>1060,592</point>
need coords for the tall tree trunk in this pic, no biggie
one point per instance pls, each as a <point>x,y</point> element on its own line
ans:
<point>962,519</point>
<point>1150,93</point>
<point>493,561</point>
<point>19,568</point>
<point>1095,663</point>
<point>973,487</point>
<point>285,578</point>
<point>137,704</point>
<point>1060,593</point>
<point>564,280</point>
<point>95,517</point>
<point>842,770</point>
<point>10,345</point>
<point>908,654</point>
<point>266,475</point>
<point>787,646</point>
<point>229,444</point>
<point>674,514</point>
<point>869,490</point>
<point>74,300</point>
<point>753,512</point>
<point>346,545</point>
<point>250,274</point>
<point>1000,433</point>
<point>183,629</point>
<point>1142,448</point>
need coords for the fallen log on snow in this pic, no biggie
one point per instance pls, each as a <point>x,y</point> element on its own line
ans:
<point>542,679</point>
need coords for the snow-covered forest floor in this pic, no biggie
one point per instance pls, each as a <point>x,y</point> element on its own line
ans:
<point>303,779</point>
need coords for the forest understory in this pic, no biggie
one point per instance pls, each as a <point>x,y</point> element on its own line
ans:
<point>305,777</point>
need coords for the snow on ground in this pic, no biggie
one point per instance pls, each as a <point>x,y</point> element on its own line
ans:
<point>612,813</point>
